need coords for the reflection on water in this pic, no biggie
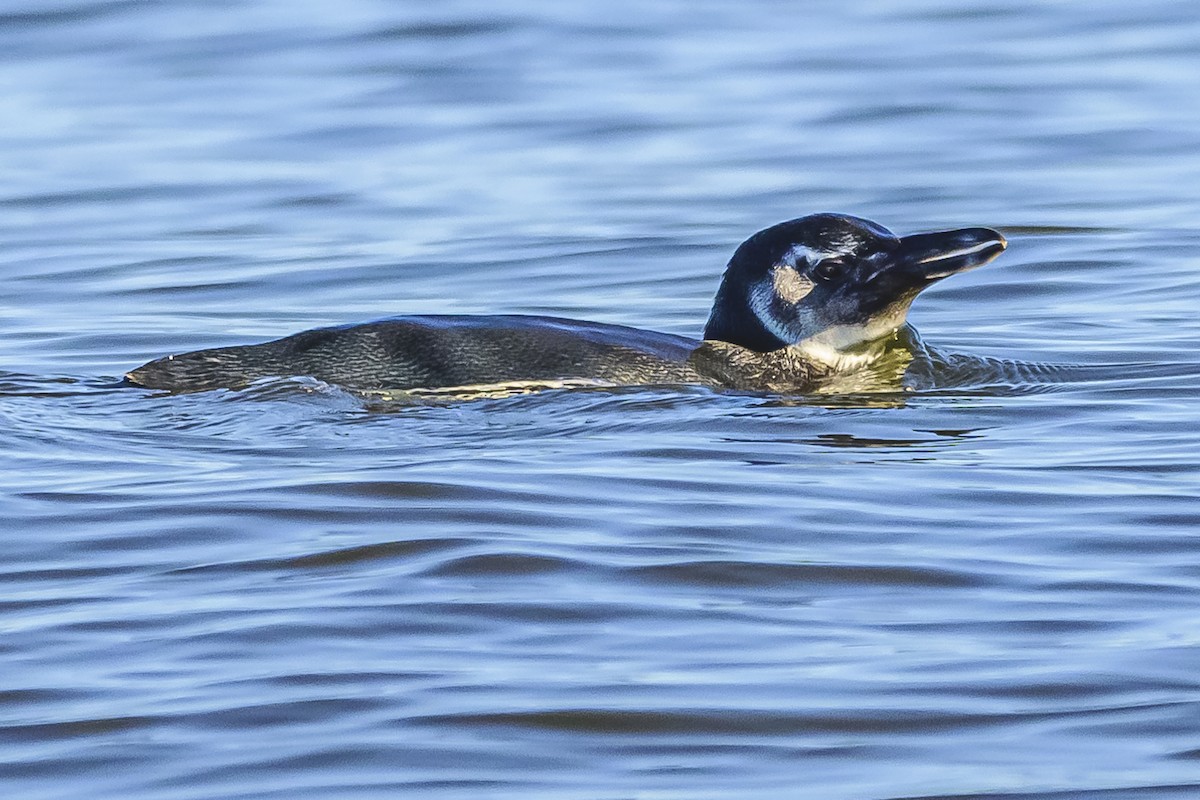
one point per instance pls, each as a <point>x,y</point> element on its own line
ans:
<point>935,440</point>
<point>966,573</point>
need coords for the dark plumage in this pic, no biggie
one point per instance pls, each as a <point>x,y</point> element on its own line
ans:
<point>799,301</point>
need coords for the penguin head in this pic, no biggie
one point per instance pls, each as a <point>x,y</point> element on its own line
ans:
<point>831,282</point>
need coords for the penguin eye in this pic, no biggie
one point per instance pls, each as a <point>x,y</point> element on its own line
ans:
<point>829,268</point>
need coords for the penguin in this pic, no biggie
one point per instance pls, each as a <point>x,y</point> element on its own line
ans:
<point>799,303</point>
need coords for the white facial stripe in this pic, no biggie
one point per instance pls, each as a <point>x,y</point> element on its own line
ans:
<point>802,252</point>
<point>762,295</point>
<point>886,266</point>
<point>790,286</point>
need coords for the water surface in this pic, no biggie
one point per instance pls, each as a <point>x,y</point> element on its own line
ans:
<point>981,591</point>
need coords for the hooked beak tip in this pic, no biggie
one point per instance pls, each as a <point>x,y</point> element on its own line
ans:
<point>934,256</point>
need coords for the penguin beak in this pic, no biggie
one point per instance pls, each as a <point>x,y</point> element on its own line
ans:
<point>929,257</point>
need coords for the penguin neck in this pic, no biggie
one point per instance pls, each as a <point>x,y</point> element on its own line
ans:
<point>734,320</point>
<point>830,350</point>
<point>820,350</point>
<point>738,318</point>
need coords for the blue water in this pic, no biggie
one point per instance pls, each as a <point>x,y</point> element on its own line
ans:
<point>295,591</point>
